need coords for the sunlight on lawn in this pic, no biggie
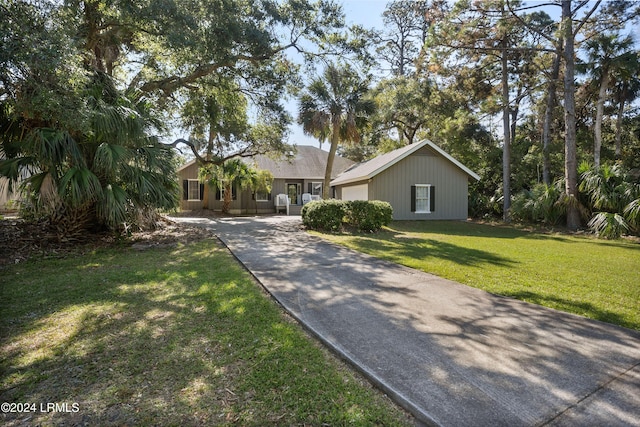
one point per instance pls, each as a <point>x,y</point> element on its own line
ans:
<point>583,275</point>
<point>166,337</point>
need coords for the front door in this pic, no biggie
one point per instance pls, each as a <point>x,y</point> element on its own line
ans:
<point>293,191</point>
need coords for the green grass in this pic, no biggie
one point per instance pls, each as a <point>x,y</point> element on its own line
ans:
<point>594,278</point>
<point>178,336</point>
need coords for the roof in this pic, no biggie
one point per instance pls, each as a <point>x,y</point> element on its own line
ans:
<point>307,163</point>
<point>373,167</point>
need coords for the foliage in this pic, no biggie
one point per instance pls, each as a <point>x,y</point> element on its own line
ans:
<point>230,174</point>
<point>330,215</point>
<point>368,215</point>
<point>334,106</point>
<point>324,214</point>
<point>608,197</point>
<point>88,90</point>
<point>576,274</point>
<point>104,171</point>
<point>541,204</point>
<point>614,195</point>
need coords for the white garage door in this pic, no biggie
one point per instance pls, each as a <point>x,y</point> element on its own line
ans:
<point>356,192</point>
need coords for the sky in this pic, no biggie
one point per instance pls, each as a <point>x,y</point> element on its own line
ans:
<point>367,13</point>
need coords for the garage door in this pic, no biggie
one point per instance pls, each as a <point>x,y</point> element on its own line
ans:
<point>356,192</point>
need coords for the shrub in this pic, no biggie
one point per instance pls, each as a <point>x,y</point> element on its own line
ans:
<point>331,214</point>
<point>324,214</point>
<point>369,215</point>
<point>540,204</point>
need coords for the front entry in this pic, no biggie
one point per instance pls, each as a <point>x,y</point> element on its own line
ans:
<point>293,191</point>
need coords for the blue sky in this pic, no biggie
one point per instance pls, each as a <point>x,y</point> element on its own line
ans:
<point>367,13</point>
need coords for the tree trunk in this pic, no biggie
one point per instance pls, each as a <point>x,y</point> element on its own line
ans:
<point>548,115</point>
<point>227,197</point>
<point>570,155</point>
<point>597,132</point>
<point>623,96</point>
<point>506,150</point>
<point>335,134</point>
<point>208,177</point>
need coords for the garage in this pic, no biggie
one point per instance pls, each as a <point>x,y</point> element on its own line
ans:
<point>356,192</point>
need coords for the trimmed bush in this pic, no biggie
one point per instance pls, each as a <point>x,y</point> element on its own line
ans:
<point>324,214</point>
<point>329,215</point>
<point>369,215</point>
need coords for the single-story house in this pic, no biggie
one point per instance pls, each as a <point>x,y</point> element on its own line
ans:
<point>420,181</point>
<point>302,173</point>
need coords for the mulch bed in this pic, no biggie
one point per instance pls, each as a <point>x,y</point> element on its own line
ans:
<point>20,240</point>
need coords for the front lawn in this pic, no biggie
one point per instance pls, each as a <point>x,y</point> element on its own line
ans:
<point>594,278</point>
<point>167,336</point>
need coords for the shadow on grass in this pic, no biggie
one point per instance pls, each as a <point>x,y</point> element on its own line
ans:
<point>472,229</point>
<point>583,308</point>
<point>162,337</point>
<point>398,246</point>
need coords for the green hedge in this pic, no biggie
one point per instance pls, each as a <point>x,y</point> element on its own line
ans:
<point>369,215</point>
<point>324,214</point>
<point>329,215</point>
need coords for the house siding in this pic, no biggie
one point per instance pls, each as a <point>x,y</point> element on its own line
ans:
<point>423,167</point>
<point>190,172</point>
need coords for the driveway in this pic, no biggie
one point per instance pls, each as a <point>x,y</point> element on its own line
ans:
<point>450,354</point>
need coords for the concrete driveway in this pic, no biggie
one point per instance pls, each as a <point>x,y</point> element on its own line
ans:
<point>450,354</point>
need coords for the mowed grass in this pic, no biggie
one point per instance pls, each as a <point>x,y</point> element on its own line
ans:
<point>171,337</point>
<point>595,278</point>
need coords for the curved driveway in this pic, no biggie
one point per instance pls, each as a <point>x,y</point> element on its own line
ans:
<point>450,354</point>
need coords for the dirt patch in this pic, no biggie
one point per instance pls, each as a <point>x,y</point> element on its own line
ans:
<point>20,240</point>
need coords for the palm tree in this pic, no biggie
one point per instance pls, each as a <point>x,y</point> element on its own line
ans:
<point>231,173</point>
<point>626,87</point>
<point>615,198</point>
<point>335,105</point>
<point>606,55</point>
<point>105,172</point>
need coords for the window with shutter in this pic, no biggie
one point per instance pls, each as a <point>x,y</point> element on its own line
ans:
<point>422,198</point>
<point>193,189</point>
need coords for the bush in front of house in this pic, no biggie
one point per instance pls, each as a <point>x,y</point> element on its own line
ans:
<point>324,214</point>
<point>368,215</point>
<point>329,215</point>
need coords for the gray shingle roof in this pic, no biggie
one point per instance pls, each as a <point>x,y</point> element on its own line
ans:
<point>308,163</point>
<point>373,167</point>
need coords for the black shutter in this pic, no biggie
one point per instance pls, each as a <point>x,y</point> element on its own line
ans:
<point>218,194</point>
<point>201,191</point>
<point>432,199</point>
<point>253,196</point>
<point>268,196</point>
<point>413,198</point>
<point>185,189</point>
<point>234,193</point>
<point>310,185</point>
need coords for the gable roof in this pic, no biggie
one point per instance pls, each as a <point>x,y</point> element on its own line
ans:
<point>307,163</point>
<point>373,167</point>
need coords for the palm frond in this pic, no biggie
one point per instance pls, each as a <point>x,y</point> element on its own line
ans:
<point>608,225</point>
<point>78,186</point>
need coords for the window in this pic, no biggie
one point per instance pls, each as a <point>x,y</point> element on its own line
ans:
<point>262,196</point>
<point>315,188</point>
<point>220,192</point>
<point>423,198</point>
<point>192,189</point>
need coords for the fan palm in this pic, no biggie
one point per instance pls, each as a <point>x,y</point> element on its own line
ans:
<point>105,172</point>
<point>231,173</point>
<point>335,105</point>
<point>607,54</point>
<point>615,198</point>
